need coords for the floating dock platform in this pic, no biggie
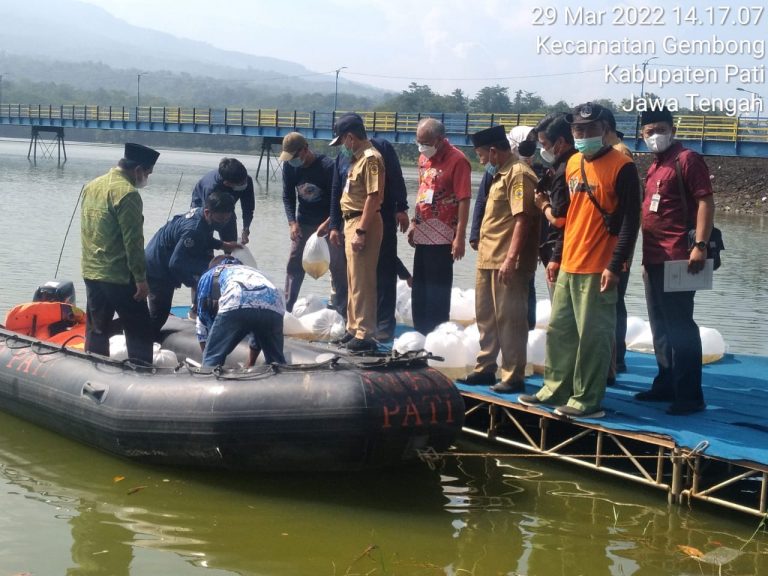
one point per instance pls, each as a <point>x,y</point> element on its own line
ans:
<point>719,456</point>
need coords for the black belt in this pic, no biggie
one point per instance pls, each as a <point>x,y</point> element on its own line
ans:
<point>350,215</point>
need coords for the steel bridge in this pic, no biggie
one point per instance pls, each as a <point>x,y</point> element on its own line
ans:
<point>709,135</point>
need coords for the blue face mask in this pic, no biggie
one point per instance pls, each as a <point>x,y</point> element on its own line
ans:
<point>346,152</point>
<point>491,169</point>
<point>588,146</point>
<point>296,162</point>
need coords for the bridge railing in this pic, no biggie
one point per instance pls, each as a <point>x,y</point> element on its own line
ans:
<point>715,128</point>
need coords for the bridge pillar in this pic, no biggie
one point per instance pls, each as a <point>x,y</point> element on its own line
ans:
<point>47,147</point>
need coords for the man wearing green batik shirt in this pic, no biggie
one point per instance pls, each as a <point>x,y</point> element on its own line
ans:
<point>113,262</point>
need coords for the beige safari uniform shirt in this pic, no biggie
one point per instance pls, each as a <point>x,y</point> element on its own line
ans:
<point>365,176</point>
<point>511,193</point>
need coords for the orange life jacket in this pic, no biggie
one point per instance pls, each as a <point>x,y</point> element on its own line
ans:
<point>50,321</point>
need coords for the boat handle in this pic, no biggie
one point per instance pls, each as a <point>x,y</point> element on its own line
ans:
<point>95,391</point>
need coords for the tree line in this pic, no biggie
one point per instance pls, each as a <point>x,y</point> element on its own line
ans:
<point>97,84</point>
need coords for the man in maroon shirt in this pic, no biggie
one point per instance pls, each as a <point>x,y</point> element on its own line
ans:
<point>668,213</point>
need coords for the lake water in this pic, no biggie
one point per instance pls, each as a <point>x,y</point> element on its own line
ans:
<point>67,509</point>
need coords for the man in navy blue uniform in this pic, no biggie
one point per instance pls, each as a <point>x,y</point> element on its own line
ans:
<point>231,177</point>
<point>307,181</point>
<point>180,251</point>
<point>394,214</point>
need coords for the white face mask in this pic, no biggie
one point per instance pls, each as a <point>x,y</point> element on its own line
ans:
<point>240,187</point>
<point>296,162</point>
<point>547,155</point>
<point>657,143</point>
<point>427,151</point>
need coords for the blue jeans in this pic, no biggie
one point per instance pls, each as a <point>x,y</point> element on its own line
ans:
<point>230,327</point>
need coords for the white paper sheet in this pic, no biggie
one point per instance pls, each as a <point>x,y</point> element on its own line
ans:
<point>677,278</point>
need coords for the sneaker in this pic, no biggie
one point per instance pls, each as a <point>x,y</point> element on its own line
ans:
<point>529,400</point>
<point>344,339</point>
<point>653,396</point>
<point>683,408</point>
<point>570,412</point>
<point>478,379</point>
<point>359,345</point>
<point>509,387</point>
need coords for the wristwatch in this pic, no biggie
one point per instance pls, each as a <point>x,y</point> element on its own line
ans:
<point>701,245</point>
<point>360,232</point>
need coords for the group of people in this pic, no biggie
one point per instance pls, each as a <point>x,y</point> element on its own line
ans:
<point>122,276</point>
<point>592,206</point>
<point>579,214</point>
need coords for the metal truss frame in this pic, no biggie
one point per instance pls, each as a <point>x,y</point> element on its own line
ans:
<point>653,460</point>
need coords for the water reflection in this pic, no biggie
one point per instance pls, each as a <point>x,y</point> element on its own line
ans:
<point>476,515</point>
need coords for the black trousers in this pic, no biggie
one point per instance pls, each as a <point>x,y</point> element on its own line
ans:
<point>103,300</point>
<point>676,339</point>
<point>621,318</point>
<point>386,281</point>
<point>160,302</point>
<point>432,284</point>
<point>531,304</point>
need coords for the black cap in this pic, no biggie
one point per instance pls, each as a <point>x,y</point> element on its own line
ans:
<point>347,123</point>
<point>140,154</point>
<point>653,116</point>
<point>489,136</point>
<point>586,114</point>
<point>610,118</point>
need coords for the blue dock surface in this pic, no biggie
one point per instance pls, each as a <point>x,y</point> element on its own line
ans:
<point>735,423</point>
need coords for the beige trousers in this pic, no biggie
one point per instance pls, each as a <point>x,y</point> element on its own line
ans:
<point>361,278</point>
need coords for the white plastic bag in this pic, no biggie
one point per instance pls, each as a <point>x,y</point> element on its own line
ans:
<point>322,324</point>
<point>244,255</point>
<point>307,305</point>
<point>292,326</point>
<point>317,257</point>
<point>409,342</point>
<point>449,344</point>
<point>463,306</point>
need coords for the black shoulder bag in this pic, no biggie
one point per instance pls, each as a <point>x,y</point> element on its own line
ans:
<point>715,243</point>
<point>611,220</point>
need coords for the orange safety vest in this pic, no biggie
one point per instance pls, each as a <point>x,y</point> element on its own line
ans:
<point>55,322</point>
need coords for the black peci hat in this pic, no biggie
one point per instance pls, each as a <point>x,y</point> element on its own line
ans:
<point>489,136</point>
<point>140,154</point>
<point>653,116</point>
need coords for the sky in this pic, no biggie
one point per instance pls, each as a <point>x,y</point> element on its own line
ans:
<point>469,44</point>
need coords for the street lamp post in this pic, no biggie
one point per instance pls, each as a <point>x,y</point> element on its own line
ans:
<point>642,94</point>
<point>1,86</point>
<point>336,90</point>
<point>739,89</point>
<point>138,88</point>
<point>642,82</point>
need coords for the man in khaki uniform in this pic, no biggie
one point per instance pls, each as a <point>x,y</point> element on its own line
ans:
<point>506,261</point>
<point>363,229</point>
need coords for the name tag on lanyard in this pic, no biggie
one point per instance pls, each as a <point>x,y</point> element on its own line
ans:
<point>656,198</point>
